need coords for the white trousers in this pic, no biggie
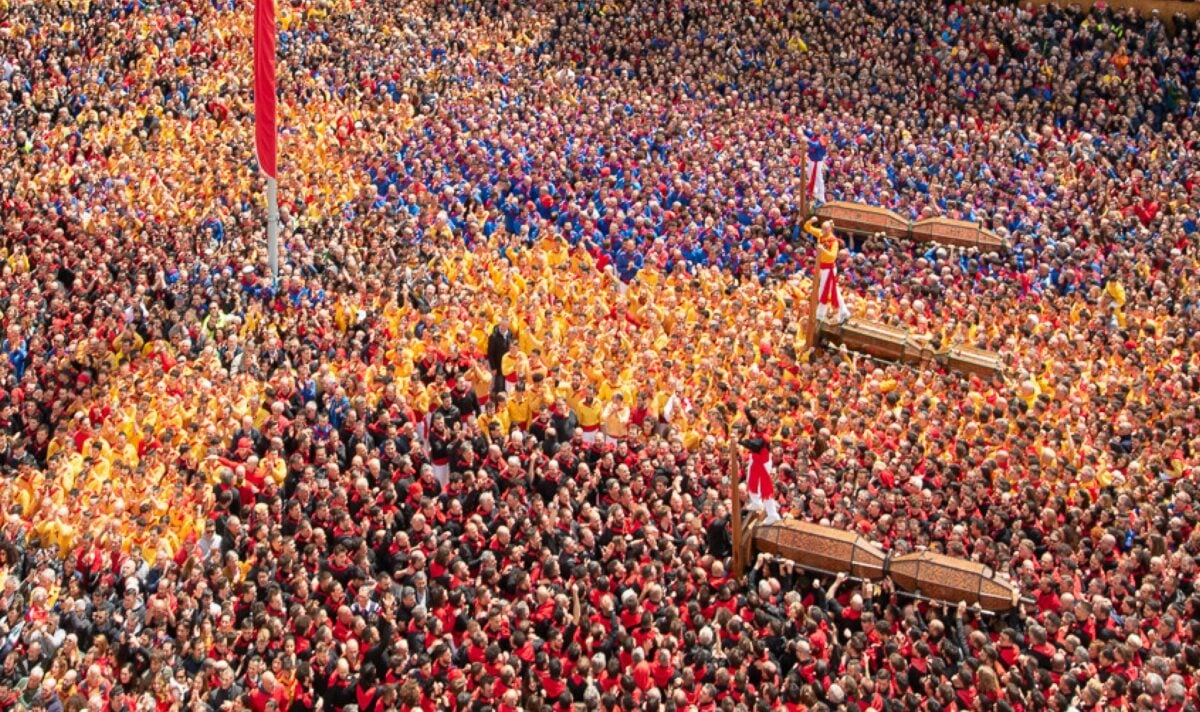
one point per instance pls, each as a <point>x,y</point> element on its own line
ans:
<point>841,311</point>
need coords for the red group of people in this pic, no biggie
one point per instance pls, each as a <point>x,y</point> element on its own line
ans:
<point>544,275</point>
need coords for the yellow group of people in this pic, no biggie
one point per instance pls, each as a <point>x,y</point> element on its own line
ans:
<point>681,341</point>
<point>656,342</point>
<point>693,337</point>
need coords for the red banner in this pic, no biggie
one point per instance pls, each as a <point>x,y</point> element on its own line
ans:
<point>264,84</point>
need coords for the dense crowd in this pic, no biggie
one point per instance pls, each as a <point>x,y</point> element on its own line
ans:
<point>543,262</point>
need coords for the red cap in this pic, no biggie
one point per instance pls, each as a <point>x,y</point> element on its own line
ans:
<point>245,444</point>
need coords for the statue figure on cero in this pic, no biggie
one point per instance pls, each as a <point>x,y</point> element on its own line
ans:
<point>831,308</point>
<point>760,470</point>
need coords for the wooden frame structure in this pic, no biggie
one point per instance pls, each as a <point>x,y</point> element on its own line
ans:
<point>832,551</point>
<point>860,219</point>
<point>891,343</point>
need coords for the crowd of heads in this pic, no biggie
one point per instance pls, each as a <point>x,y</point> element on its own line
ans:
<point>541,264</point>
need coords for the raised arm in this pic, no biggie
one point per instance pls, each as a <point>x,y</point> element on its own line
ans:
<point>811,228</point>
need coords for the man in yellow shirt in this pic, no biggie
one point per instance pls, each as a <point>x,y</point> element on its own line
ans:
<point>496,411</point>
<point>612,383</point>
<point>513,367</point>
<point>589,410</point>
<point>829,297</point>
<point>616,419</point>
<point>520,406</point>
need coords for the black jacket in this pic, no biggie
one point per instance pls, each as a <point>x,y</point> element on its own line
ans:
<point>466,402</point>
<point>564,425</point>
<point>498,344</point>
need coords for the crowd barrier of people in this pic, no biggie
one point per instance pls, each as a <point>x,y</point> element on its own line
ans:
<point>540,261</point>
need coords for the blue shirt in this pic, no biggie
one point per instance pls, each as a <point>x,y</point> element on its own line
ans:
<point>18,357</point>
<point>628,264</point>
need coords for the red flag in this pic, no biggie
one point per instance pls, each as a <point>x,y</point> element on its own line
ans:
<point>264,84</point>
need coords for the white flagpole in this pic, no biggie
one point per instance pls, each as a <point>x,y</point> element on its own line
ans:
<point>273,229</point>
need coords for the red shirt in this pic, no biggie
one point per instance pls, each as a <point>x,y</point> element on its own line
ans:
<point>259,698</point>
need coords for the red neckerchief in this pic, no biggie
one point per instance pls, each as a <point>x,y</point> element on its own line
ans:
<point>365,701</point>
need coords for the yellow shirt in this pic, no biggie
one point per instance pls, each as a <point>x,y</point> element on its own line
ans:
<point>607,389</point>
<point>588,413</point>
<point>500,417</point>
<point>513,366</point>
<point>275,466</point>
<point>481,378</point>
<point>55,533</point>
<point>616,420</point>
<point>539,396</point>
<point>527,341</point>
<point>1116,291</point>
<point>520,408</point>
<point>827,252</point>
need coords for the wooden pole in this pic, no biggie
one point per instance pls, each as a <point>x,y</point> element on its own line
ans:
<point>273,230</point>
<point>811,336</point>
<point>735,502</point>
<point>804,184</point>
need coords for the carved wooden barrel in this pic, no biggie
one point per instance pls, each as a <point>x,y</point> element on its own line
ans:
<point>945,578</point>
<point>967,359</point>
<point>875,338</point>
<point>821,549</point>
<point>959,233</point>
<point>863,219</point>
<point>918,351</point>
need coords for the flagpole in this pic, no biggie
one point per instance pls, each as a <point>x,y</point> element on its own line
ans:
<point>804,178</point>
<point>812,335</point>
<point>266,138</point>
<point>273,229</point>
<point>735,503</point>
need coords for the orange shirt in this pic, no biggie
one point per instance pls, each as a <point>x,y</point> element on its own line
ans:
<point>616,420</point>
